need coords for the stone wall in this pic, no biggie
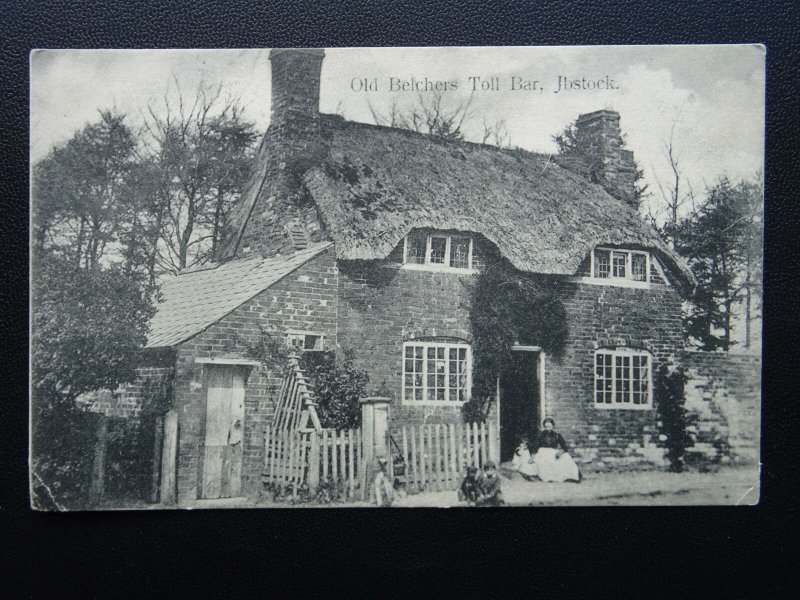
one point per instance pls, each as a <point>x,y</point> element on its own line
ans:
<point>304,300</point>
<point>724,393</point>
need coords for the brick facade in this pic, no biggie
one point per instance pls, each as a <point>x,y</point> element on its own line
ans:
<point>601,316</point>
<point>383,305</point>
<point>304,300</point>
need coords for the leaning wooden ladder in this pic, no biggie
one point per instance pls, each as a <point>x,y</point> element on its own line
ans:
<point>294,428</point>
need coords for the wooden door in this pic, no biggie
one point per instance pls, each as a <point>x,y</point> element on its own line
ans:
<point>222,451</point>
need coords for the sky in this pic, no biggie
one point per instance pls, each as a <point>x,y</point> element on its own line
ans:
<point>708,99</point>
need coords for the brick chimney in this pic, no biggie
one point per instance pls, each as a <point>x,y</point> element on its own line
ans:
<point>295,104</point>
<point>599,142</point>
<point>280,220</point>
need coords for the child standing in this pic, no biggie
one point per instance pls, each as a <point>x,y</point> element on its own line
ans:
<point>382,484</point>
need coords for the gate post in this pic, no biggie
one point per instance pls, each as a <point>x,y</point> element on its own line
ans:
<point>374,425</point>
<point>168,461</point>
<point>99,462</point>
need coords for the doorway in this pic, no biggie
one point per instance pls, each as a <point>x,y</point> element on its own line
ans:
<point>222,448</point>
<point>519,401</point>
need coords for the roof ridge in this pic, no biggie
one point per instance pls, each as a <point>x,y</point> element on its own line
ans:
<point>339,120</point>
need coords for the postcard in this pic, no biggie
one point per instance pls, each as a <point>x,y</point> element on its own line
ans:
<point>396,277</point>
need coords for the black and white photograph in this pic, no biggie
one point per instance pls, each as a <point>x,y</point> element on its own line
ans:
<point>510,276</point>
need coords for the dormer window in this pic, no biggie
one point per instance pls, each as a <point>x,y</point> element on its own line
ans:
<point>438,251</point>
<point>618,265</point>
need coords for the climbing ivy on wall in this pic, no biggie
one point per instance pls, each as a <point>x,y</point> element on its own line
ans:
<point>509,306</point>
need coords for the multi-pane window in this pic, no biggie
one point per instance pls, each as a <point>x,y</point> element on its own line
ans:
<point>620,264</point>
<point>416,249</point>
<point>439,250</point>
<point>622,379</point>
<point>434,372</point>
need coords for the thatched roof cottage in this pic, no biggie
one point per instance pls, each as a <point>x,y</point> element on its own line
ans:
<point>362,237</point>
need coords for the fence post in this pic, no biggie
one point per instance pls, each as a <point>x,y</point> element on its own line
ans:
<point>313,464</point>
<point>168,460</point>
<point>99,462</point>
<point>374,424</point>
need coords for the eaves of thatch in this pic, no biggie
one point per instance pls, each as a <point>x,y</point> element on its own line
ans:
<point>378,183</point>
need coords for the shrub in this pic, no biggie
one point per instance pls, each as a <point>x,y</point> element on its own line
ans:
<point>338,388</point>
<point>674,418</point>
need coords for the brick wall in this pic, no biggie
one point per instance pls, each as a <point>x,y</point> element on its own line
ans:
<point>381,306</point>
<point>126,402</point>
<point>609,316</point>
<point>724,392</point>
<point>291,145</point>
<point>306,300</point>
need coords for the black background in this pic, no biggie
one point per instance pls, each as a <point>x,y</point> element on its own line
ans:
<point>691,551</point>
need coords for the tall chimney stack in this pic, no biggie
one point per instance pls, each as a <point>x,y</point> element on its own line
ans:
<point>295,123</point>
<point>599,142</point>
<point>271,217</point>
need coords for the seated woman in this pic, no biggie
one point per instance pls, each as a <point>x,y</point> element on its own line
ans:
<point>552,461</point>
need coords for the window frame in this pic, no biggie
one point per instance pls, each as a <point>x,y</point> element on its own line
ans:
<point>447,347</point>
<point>622,352</point>
<point>296,333</point>
<point>428,265</point>
<point>627,280</point>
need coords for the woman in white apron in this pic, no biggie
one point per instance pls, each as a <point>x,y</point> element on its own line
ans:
<point>551,461</point>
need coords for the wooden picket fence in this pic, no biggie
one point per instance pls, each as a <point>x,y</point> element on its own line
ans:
<point>309,457</point>
<point>435,457</point>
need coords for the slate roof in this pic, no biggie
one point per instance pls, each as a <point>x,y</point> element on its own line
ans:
<point>194,300</point>
<point>378,183</point>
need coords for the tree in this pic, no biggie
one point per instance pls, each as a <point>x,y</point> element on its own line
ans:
<point>78,192</point>
<point>572,148</point>
<point>722,243</point>
<point>432,116</point>
<point>675,197</point>
<point>200,152</point>
<point>89,326</point>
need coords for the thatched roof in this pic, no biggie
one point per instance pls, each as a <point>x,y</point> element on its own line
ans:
<point>379,183</point>
<point>197,299</point>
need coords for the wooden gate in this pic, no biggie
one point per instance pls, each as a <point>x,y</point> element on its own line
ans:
<point>222,449</point>
<point>299,453</point>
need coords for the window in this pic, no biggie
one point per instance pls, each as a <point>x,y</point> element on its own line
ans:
<point>436,372</point>
<point>620,265</point>
<point>622,379</point>
<point>301,341</point>
<point>439,251</point>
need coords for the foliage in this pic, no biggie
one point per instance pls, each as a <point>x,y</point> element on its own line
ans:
<point>200,153</point>
<point>570,146</point>
<point>723,243</point>
<point>63,438</point>
<point>80,192</point>
<point>476,409</point>
<point>270,350</point>
<point>88,330</point>
<point>510,307</point>
<point>338,389</point>
<point>674,418</point>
